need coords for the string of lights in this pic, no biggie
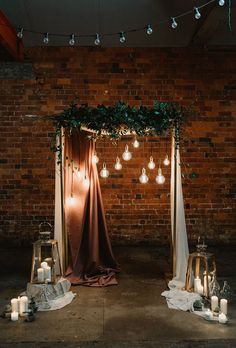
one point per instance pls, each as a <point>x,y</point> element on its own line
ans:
<point>73,38</point>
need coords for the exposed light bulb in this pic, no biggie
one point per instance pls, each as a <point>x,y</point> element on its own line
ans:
<point>174,24</point>
<point>151,164</point>
<point>160,179</point>
<point>104,173</point>
<point>86,181</point>
<point>143,177</point>
<point>97,40</point>
<point>122,37</point>
<point>136,143</point>
<point>149,29</point>
<point>95,158</point>
<point>221,2</point>
<point>166,161</point>
<point>20,33</point>
<point>46,39</point>
<point>118,165</point>
<point>126,154</point>
<point>72,40</point>
<point>71,200</point>
<point>197,14</point>
<point>78,174</point>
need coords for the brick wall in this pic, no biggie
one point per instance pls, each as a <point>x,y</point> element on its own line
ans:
<point>135,213</point>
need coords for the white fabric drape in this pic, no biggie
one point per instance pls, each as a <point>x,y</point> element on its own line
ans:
<point>58,218</point>
<point>181,249</point>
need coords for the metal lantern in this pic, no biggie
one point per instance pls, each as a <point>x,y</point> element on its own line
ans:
<point>46,265</point>
<point>201,265</point>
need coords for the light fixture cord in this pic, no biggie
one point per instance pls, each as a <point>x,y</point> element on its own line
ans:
<point>229,15</point>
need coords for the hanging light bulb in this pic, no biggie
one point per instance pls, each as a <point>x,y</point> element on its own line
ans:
<point>136,143</point>
<point>122,37</point>
<point>46,39</point>
<point>72,40</point>
<point>104,173</point>
<point>174,24</point>
<point>78,173</point>
<point>20,33</point>
<point>149,29</point>
<point>166,161</point>
<point>160,179</point>
<point>71,199</point>
<point>97,41</point>
<point>151,163</point>
<point>197,14</point>
<point>86,179</point>
<point>143,177</point>
<point>221,2</point>
<point>126,154</point>
<point>118,165</point>
<point>95,158</point>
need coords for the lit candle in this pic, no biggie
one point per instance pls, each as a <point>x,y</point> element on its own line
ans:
<point>197,284</point>
<point>49,261</point>
<point>214,303</point>
<point>223,306</point>
<point>14,316</point>
<point>47,273</point>
<point>222,318</point>
<point>43,264</point>
<point>14,305</point>
<point>23,305</point>
<point>40,272</point>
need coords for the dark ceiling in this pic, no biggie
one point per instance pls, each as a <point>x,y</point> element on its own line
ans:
<point>88,17</point>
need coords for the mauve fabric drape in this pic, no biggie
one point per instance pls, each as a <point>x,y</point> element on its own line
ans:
<point>91,261</point>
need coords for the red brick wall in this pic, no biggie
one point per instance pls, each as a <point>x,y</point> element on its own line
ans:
<point>135,213</point>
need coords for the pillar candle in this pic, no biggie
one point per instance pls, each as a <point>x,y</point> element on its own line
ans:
<point>40,272</point>
<point>214,303</point>
<point>223,306</point>
<point>209,314</point>
<point>43,264</point>
<point>222,318</point>
<point>197,284</point>
<point>205,284</point>
<point>47,273</point>
<point>23,305</point>
<point>14,316</point>
<point>14,305</point>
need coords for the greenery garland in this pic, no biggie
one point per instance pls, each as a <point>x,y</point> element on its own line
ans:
<point>122,119</point>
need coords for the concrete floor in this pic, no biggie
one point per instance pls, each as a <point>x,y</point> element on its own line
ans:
<point>132,314</point>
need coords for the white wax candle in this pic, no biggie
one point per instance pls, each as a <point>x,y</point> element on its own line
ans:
<point>200,289</point>
<point>14,316</point>
<point>214,303</point>
<point>197,284</point>
<point>222,318</point>
<point>43,264</point>
<point>40,272</point>
<point>223,306</point>
<point>205,284</point>
<point>47,273</point>
<point>14,305</point>
<point>23,305</point>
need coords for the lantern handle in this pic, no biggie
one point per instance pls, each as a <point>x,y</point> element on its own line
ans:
<point>45,223</point>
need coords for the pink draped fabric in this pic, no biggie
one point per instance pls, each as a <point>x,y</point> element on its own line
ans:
<point>92,261</point>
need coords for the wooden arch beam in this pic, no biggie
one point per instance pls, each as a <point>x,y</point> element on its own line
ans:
<point>9,40</point>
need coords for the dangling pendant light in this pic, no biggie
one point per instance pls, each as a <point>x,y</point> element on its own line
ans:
<point>95,158</point>
<point>118,165</point>
<point>104,173</point>
<point>160,179</point>
<point>151,163</point>
<point>126,154</point>
<point>72,199</point>
<point>143,177</point>
<point>136,143</point>
<point>166,161</point>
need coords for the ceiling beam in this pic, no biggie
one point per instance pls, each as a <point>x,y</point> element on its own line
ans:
<point>9,40</point>
<point>208,26</point>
